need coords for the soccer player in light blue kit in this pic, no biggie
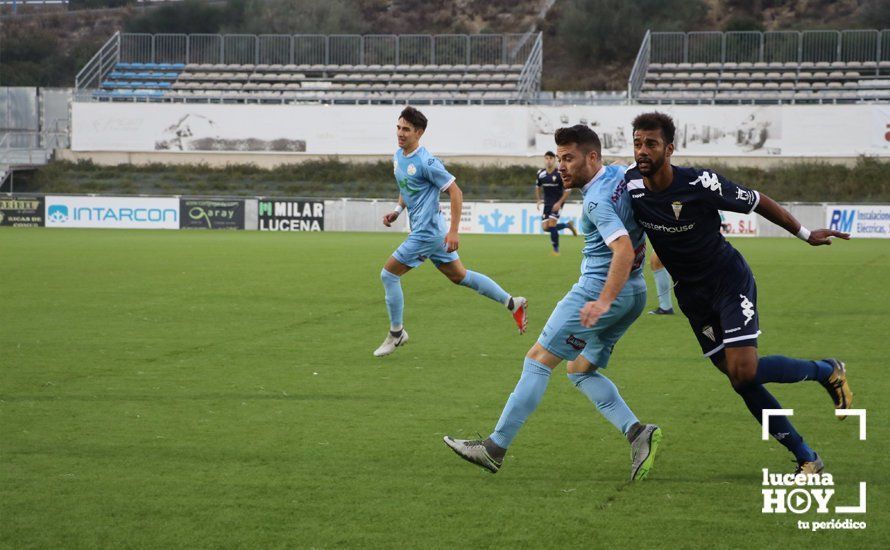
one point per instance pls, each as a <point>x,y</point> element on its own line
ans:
<point>421,178</point>
<point>597,311</point>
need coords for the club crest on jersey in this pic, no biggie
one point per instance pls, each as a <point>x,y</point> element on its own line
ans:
<point>709,332</point>
<point>411,170</point>
<point>677,206</point>
<point>710,181</point>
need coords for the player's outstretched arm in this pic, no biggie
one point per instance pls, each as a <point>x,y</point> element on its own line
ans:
<point>452,239</point>
<point>619,272</point>
<point>774,212</point>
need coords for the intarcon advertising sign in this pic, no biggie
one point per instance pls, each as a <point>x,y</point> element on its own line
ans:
<point>860,220</point>
<point>21,212</point>
<point>211,214</point>
<point>290,215</point>
<point>112,212</point>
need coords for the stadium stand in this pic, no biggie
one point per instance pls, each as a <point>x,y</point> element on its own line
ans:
<point>762,67</point>
<point>314,68</point>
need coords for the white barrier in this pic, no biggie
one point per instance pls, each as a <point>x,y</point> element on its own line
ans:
<point>510,130</point>
<point>479,217</point>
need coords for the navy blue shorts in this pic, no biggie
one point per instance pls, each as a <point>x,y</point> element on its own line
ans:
<point>549,213</point>
<point>722,309</point>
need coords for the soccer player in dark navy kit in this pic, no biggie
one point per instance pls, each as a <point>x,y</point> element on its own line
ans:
<point>679,209</point>
<point>550,185</point>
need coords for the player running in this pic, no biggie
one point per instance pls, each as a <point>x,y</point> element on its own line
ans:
<point>421,177</point>
<point>679,210</point>
<point>586,324</point>
<point>550,185</point>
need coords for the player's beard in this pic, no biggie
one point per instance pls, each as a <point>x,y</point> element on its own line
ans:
<point>654,166</point>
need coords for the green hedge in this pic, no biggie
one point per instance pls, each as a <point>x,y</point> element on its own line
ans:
<point>867,181</point>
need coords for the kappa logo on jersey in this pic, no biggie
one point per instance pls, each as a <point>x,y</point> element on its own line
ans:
<point>747,308</point>
<point>591,206</point>
<point>677,206</point>
<point>709,180</point>
<point>575,342</point>
<point>431,161</point>
<point>411,170</point>
<point>395,165</point>
<point>637,195</point>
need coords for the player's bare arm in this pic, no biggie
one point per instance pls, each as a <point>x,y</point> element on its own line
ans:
<point>389,219</point>
<point>776,213</point>
<point>452,239</point>
<point>619,271</point>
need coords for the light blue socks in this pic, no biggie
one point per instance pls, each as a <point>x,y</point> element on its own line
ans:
<point>395,300</point>
<point>663,285</point>
<point>486,287</point>
<point>522,402</point>
<point>603,393</point>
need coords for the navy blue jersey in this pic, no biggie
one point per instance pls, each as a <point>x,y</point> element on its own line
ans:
<point>551,184</point>
<point>683,221</point>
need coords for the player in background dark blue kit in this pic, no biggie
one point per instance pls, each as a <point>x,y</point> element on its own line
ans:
<point>679,209</point>
<point>550,185</point>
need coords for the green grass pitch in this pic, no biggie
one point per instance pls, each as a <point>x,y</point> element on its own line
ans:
<point>217,389</point>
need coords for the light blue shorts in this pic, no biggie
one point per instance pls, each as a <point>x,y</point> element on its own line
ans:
<point>415,250</point>
<point>565,337</point>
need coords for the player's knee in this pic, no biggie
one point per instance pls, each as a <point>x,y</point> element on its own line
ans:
<point>456,277</point>
<point>388,277</point>
<point>539,354</point>
<point>741,375</point>
<point>580,366</point>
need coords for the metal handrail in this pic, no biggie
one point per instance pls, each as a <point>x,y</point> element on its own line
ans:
<point>530,76</point>
<point>641,66</point>
<point>100,64</point>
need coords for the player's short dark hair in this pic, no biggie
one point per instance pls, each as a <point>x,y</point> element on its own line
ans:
<point>656,121</point>
<point>549,154</point>
<point>581,134</point>
<point>414,117</point>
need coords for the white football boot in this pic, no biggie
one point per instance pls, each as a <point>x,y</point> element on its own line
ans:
<point>391,343</point>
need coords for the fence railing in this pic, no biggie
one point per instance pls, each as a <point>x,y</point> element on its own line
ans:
<point>530,77</point>
<point>101,64</point>
<point>335,49</point>
<point>869,45</point>
<point>641,65</point>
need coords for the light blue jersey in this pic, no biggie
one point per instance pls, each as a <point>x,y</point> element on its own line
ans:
<point>421,178</point>
<point>607,215</point>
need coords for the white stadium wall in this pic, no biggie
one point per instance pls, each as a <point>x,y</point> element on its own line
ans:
<point>816,131</point>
